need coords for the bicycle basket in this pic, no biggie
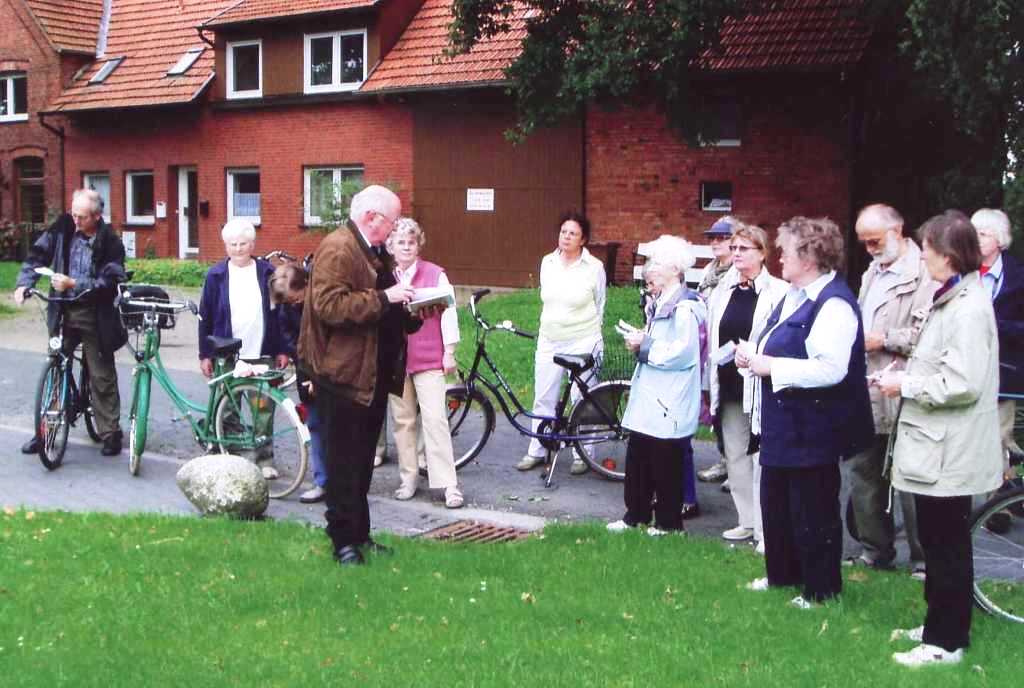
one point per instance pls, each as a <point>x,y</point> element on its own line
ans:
<point>616,362</point>
<point>132,315</point>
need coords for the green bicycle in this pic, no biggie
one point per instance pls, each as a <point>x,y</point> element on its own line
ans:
<point>244,415</point>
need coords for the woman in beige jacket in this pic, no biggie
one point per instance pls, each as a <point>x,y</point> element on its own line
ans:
<point>947,444</point>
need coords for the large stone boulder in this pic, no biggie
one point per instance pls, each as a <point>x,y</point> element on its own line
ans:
<point>224,484</point>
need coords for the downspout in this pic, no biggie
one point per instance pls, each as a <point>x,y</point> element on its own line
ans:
<point>59,132</point>
<point>204,39</point>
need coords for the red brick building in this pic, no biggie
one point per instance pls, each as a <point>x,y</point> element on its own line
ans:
<point>42,44</point>
<point>199,110</point>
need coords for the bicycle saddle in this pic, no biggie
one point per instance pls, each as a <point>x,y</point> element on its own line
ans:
<point>577,364</point>
<point>224,346</point>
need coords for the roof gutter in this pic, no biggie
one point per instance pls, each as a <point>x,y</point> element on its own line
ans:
<point>59,133</point>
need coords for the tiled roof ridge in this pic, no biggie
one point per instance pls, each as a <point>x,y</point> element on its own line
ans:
<point>223,11</point>
<point>68,25</point>
<point>245,11</point>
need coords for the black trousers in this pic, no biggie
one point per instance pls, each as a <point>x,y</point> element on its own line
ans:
<point>943,525</point>
<point>654,468</point>
<point>803,531</point>
<point>349,432</point>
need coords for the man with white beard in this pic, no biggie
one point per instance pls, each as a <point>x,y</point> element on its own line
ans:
<point>895,296</point>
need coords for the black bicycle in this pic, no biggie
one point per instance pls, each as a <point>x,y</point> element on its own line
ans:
<point>60,399</point>
<point>593,427</point>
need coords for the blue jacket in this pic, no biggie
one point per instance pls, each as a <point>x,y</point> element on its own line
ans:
<point>1009,308</point>
<point>815,426</point>
<point>664,400</point>
<point>215,310</point>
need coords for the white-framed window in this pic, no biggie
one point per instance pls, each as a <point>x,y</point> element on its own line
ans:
<point>334,61</point>
<point>100,183</point>
<point>323,188</point>
<point>106,70</point>
<point>245,69</point>
<point>185,62</point>
<point>13,97</point>
<point>244,194</point>
<point>139,203</point>
<point>716,197</point>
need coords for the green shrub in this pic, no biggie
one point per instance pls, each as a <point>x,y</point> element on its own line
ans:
<point>168,271</point>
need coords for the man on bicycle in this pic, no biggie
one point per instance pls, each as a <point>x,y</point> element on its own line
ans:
<point>86,255</point>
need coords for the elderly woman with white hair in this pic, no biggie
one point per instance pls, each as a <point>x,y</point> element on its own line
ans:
<point>664,400</point>
<point>430,355</point>
<point>236,303</point>
<point>1003,277</point>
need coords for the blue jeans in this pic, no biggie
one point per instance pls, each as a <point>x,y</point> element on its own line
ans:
<point>316,445</point>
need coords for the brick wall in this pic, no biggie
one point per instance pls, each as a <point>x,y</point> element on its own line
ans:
<point>643,181</point>
<point>278,141</point>
<point>23,48</point>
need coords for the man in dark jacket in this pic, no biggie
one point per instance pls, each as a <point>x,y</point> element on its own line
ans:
<point>86,256</point>
<point>352,347</point>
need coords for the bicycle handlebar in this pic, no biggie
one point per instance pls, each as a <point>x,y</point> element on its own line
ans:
<point>170,306</point>
<point>503,325</point>
<point>54,299</point>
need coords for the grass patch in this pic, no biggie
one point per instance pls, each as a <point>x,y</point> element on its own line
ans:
<point>97,600</point>
<point>8,274</point>
<point>168,271</point>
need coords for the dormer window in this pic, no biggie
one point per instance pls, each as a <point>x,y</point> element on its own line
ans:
<point>245,69</point>
<point>185,62</point>
<point>106,70</point>
<point>334,61</point>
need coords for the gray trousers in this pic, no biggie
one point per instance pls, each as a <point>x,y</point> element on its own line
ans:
<point>80,326</point>
<point>869,492</point>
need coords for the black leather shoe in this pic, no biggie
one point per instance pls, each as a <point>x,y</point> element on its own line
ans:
<point>349,555</point>
<point>31,447</point>
<point>374,547</point>
<point>690,511</point>
<point>111,444</point>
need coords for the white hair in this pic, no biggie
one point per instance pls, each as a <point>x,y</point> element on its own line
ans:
<point>994,221</point>
<point>406,225</point>
<point>238,227</point>
<point>374,198</point>
<point>92,197</point>
<point>673,254</point>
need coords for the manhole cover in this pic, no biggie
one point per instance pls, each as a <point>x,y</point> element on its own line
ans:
<point>471,531</point>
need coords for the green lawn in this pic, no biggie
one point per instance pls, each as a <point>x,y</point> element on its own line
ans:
<point>95,600</point>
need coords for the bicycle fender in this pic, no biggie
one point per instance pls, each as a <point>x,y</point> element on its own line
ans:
<point>289,406</point>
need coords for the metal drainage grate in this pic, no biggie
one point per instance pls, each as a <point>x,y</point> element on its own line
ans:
<point>471,531</point>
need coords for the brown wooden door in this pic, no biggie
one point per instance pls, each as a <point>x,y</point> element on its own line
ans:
<point>461,145</point>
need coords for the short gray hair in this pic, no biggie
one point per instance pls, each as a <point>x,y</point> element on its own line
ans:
<point>885,215</point>
<point>994,221</point>
<point>374,198</point>
<point>406,225</point>
<point>93,197</point>
<point>238,227</point>
<point>672,253</point>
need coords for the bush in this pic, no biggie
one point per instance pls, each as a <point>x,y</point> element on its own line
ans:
<point>168,271</point>
<point>15,239</point>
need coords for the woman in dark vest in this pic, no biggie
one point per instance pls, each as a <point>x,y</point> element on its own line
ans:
<point>430,355</point>
<point>811,409</point>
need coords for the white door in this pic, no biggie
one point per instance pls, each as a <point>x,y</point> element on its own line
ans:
<point>188,212</point>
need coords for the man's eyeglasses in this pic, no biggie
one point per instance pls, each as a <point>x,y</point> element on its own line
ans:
<point>738,248</point>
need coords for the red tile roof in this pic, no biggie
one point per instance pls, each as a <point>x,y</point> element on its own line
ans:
<point>793,35</point>
<point>787,35</point>
<point>151,36</point>
<point>70,25</point>
<point>242,11</point>
<point>417,61</point>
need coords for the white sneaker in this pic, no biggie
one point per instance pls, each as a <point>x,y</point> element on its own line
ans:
<point>918,572</point>
<point>655,531</point>
<point>529,462</point>
<point>377,460</point>
<point>618,526</point>
<point>915,634</point>
<point>405,492</point>
<point>800,603</point>
<point>313,495</point>
<point>738,533</point>
<point>758,585</point>
<point>270,473</point>
<point>715,473</point>
<point>579,467</point>
<point>928,654</point>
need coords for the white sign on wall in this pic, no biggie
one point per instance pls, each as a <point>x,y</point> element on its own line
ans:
<point>161,209</point>
<point>128,239</point>
<point>480,200</point>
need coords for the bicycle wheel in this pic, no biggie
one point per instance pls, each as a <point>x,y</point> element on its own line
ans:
<point>263,426</point>
<point>999,557</point>
<point>470,422</point>
<point>139,420</point>
<point>85,404</point>
<point>51,420</point>
<point>600,416</point>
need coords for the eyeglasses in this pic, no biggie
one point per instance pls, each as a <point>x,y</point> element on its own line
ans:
<point>389,220</point>
<point>872,243</point>
<point>738,248</point>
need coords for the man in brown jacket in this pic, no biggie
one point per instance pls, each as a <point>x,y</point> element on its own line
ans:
<point>352,347</point>
<point>895,296</point>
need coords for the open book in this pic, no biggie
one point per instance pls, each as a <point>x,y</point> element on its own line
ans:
<point>427,297</point>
